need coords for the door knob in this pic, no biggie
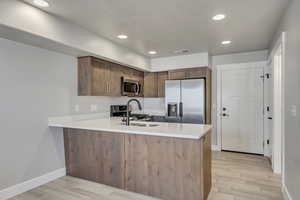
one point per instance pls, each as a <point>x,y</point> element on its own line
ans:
<point>225,115</point>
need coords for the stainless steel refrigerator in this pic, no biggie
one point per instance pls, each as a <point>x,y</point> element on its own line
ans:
<point>185,101</point>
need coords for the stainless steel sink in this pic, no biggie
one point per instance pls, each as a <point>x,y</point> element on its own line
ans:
<point>153,125</point>
<point>141,124</point>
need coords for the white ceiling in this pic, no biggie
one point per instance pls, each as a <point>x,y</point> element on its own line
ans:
<point>169,25</point>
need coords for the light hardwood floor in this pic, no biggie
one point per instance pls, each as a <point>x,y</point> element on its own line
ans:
<point>243,177</point>
<point>235,177</point>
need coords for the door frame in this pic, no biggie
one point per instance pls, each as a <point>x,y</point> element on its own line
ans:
<point>278,153</point>
<point>221,68</point>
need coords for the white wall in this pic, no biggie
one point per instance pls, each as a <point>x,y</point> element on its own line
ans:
<point>153,106</point>
<point>36,84</point>
<point>290,25</point>
<point>182,61</point>
<point>24,23</point>
<point>229,59</point>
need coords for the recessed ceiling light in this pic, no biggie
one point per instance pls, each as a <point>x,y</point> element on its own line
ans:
<point>122,37</point>
<point>152,52</point>
<point>226,42</point>
<point>219,17</point>
<point>41,3</point>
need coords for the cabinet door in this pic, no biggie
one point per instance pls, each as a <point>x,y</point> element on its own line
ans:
<point>95,156</point>
<point>85,77</point>
<point>161,78</point>
<point>177,74</point>
<point>162,167</point>
<point>101,77</point>
<point>198,72</point>
<point>115,80</point>
<point>150,84</point>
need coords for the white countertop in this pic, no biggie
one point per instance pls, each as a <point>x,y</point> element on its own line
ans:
<point>114,125</point>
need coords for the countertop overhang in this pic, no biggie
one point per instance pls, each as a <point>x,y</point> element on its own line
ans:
<point>114,125</point>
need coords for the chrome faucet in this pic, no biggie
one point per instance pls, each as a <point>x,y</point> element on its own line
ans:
<point>128,103</point>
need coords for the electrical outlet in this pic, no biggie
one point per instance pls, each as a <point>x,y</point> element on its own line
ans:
<point>76,108</point>
<point>94,107</point>
<point>294,110</point>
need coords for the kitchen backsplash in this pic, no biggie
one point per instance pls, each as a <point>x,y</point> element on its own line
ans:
<point>154,106</point>
<point>85,105</point>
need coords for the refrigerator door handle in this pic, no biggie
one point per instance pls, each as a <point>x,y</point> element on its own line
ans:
<point>180,109</point>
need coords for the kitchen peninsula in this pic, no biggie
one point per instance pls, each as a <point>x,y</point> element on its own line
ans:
<point>166,160</point>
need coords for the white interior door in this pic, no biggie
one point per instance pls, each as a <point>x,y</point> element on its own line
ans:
<point>242,109</point>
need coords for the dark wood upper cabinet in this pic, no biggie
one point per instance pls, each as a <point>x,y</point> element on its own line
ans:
<point>93,77</point>
<point>154,84</point>
<point>114,83</point>
<point>150,85</point>
<point>161,78</point>
<point>85,76</point>
<point>197,72</point>
<point>98,77</point>
<point>177,74</point>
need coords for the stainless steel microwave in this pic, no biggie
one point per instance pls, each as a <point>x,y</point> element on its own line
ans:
<point>130,87</point>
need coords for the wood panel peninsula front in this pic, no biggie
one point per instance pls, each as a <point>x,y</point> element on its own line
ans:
<point>168,161</point>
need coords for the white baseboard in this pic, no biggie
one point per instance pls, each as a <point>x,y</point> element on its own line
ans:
<point>31,184</point>
<point>286,193</point>
<point>215,148</point>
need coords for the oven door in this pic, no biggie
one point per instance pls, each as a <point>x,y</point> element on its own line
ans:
<point>130,87</point>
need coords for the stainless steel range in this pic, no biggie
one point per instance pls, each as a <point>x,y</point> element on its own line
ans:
<point>120,111</point>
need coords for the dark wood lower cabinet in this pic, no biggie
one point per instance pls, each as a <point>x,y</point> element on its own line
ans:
<point>167,168</point>
<point>206,159</point>
<point>97,157</point>
<point>162,167</point>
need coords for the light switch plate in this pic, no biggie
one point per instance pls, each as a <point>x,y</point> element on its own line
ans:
<point>76,108</point>
<point>294,110</point>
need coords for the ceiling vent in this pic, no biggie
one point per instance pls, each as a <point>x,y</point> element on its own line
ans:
<point>181,51</point>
